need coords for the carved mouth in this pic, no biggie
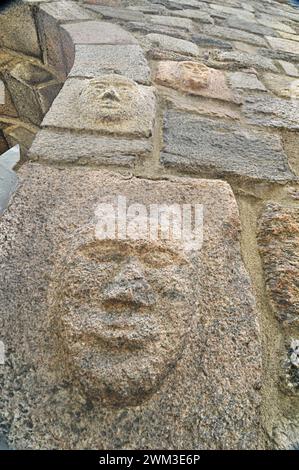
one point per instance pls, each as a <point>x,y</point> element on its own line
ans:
<point>108,329</point>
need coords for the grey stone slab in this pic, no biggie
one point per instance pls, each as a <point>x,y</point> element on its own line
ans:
<point>202,311</point>
<point>272,112</point>
<point>243,59</point>
<point>98,32</point>
<point>284,45</point>
<point>200,145</point>
<point>245,81</point>
<point>65,10</point>
<point>173,44</point>
<point>171,21</point>
<point>18,31</point>
<point>93,60</point>
<point>110,104</point>
<point>289,68</point>
<point>196,15</point>
<point>250,26</point>
<point>280,55</point>
<point>234,35</point>
<point>8,185</point>
<point>121,14</point>
<point>203,40</point>
<point>87,149</point>
<point>149,28</point>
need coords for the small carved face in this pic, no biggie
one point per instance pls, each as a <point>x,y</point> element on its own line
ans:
<point>123,310</point>
<point>111,97</point>
<point>193,75</point>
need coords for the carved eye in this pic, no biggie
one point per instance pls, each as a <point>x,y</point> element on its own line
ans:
<point>159,259</point>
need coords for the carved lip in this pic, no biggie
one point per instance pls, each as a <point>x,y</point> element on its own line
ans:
<point>133,331</point>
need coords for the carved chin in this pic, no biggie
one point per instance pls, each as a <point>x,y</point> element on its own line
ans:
<point>119,382</point>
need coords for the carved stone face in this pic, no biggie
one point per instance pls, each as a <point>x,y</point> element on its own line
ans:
<point>111,97</point>
<point>122,311</point>
<point>193,75</point>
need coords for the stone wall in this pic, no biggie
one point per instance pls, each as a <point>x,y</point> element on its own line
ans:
<point>206,90</point>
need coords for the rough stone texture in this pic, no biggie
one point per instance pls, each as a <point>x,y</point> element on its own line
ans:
<point>243,59</point>
<point>98,32</point>
<point>172,22</point>
<point>245,81</point>
<point>169,43</point>
<point>94,60</point>
<point>109,104</point>
<point>202,40</point>
<point>8,184</point>
<point>3,143</point>
<point>272,112</point>
<point>18,31</point>
<point>66,147</point>
<point>7,108</point>
<point>280,85</point>
<point>200,145</point>
<point>278,239</point>
<point>57,48</point>
<point>250,26</point>
<point>234,35</point>
<point>212,320</point>
<point>289,68</point>
<point>195,15</point>
<point>194,78</point>
<point>65,10</point>
<point>21,135</point>
<point>117,13</point>
<point>284,45</point>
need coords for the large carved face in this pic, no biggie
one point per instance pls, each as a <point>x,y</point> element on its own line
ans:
<point>122,310</point>
<point>111,97</point>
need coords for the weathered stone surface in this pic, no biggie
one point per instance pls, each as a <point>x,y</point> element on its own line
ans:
<point>250,26</point>
<point>57,47</point>
<point>46,93</point>
<point>272,112</point>
<point>87,149</point>
<point>247,15</point>
<point>202,40</point>
<point>244,60</point>
<point>272,23</point>
<point>110,104</point>
<point>234,35</point>
<point>98,32</point>
<point>284,45</point>
<point>195,15</point>
<point>3,143</point>
<point>292,37</point>
<point>245,81</point>
<point>194,78</point>
<point>94,60</point>
<point>19,134</point>
<point>65,10</point>
<point>8,184</point>
<point>173,44</point>
<point>127,293</point>
<point>18,31</point>
<point>195,144</point>
<point>117,13</point>
<point>280,85</point>
<point>149,28</point>
<point>280,55</point>
<point>278,239</point>
<point>7,108</point>
<point>171,21</point>
<point>289,68</point>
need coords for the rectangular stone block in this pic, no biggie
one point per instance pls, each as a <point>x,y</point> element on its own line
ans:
<point>93,61</point>
<point>87,149</point>
<point>234,35</point>
<point>272,112</point>
<point>65,10</point>
<point>278,239</point>
<point>121,14</point>
<point>18,31</point>
<point>195,144</point>
<point>284,45</point>
<point>173,44</point>
<point>111,104</point>
<point>128,361</point>
<point>98,32</point>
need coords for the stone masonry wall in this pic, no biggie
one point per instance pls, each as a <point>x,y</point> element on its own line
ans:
<point>217,97</point>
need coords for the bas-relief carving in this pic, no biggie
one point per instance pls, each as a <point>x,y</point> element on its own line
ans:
<point>121,310</point>
<point>194,78</point>
<point>111,104</point>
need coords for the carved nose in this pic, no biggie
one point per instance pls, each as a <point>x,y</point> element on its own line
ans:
<point>110,94</point>
<point>130,286</point>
